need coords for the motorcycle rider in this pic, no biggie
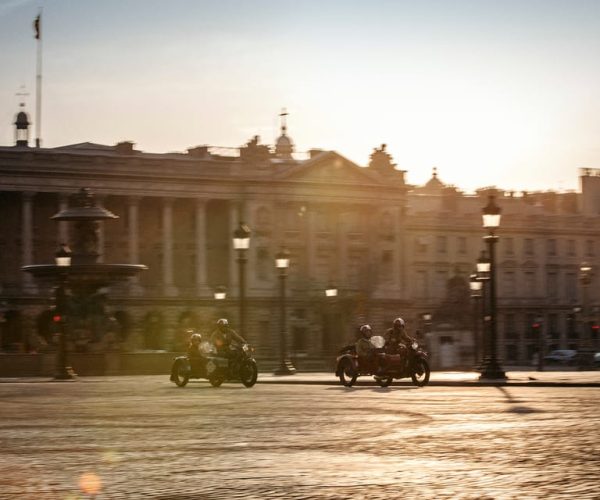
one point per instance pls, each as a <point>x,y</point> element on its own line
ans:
<point>397,339</point>
<point>223,337</point>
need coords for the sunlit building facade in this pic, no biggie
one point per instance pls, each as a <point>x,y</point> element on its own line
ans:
<point>390,249</point>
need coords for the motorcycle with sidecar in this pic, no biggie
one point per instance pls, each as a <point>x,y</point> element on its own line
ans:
<point>383,363</point>
<point>237,365</point>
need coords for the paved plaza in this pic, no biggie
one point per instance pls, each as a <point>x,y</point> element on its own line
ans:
<point>141,437</point>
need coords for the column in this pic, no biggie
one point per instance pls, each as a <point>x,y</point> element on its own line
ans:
<point>311,257</point>
<point>234,220</point>
<point>63,226</point>
<point>133,240</point>
<point>201,275</point>
<point>167,217</point>
<point>399,280</point>
<point>101,233</point>
<point>27,238</point>
<point>342,247</point>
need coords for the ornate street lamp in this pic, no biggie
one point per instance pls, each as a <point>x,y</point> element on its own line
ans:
<point>476,287</point>
<point>241,243</point>
<point>491,369</point>
<point>220,293</point>
<point>331,291</point>
<point>586,350</point>
<point>62,259</point>
<point>282,262</point>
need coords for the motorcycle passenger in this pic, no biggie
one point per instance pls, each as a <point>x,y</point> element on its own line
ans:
<point>193,350</point>
<point>223,337</point>
<point>363,345</point>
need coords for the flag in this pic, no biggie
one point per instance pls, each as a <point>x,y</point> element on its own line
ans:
<point>36,27</point>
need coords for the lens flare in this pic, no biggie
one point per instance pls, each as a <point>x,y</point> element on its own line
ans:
<point>90,483</point>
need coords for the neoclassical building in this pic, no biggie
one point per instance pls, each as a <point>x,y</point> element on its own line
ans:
<point>389,248</point>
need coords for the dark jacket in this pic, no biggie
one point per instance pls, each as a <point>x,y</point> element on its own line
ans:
<point>222,339</point>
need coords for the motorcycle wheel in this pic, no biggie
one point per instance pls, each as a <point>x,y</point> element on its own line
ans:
<point>216,381</point>
<point>420,375</point>
<point>347,373</point>
<point>181,376</point>
<point>248,373</point>
<point>384,381</point>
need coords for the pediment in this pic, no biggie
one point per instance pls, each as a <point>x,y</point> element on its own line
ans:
<point>330,167</point>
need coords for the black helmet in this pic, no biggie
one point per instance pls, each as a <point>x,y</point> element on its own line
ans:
<point>398,323</point>
<point>365,330</point>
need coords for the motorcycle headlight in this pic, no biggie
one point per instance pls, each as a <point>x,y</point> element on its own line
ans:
<point>415,345</point>
<point>246,348</point>
<point>377,341</point>
<point>206,347</point>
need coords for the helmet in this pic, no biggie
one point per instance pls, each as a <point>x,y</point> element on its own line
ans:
<point>365,331</point>
<point>195,338</point>
<point>398,323</point>
<point>222,323</point>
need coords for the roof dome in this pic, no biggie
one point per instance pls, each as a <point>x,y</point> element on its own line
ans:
<point>284,147</point>
<point>22,120</point>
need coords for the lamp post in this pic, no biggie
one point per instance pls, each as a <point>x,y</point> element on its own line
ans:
<point>490,369</point>
<point>220,293</point>
<point>331,291</point>
<point>62,259</point>
<point>586,351</point>
<point>483,275</point>
<point>476,287</point>
<point>282,262</point>
<point>241,243</point>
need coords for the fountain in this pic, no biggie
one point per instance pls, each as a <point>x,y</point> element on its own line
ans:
<point>79,271</point>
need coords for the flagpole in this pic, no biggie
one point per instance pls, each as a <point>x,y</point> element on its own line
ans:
<point>38,81</point>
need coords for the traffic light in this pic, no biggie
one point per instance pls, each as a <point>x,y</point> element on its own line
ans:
<point>535,328</point>
<point>56,317</point>
<point>595,329</point>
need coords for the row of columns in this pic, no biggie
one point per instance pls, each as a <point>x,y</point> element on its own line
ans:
<point>237,212</point>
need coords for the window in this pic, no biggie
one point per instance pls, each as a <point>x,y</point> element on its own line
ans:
<point>530,283</point>
<point>263,264</point>
<point>422,290</point>
<point>421,245</point>
<point>441,282</point>
<point>571,247</point>
<point>510,283</point>
<point>571,287</point>
<point>510,327</point>
<point>551,247</point>
<point>462,245</point>
<point>589,248</point>
<point>553,326</point>
<point>442,244</point>
<point>509,246</point>
<point>528,246</point>
<point>552,285</point>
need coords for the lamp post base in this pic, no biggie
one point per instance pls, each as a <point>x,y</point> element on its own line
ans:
<point>65,373</point>
<point>286,368</point>
<point>490,369</point>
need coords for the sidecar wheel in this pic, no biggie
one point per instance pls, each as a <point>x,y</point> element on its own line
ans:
<point>181,376</point>
<point>249,373</point>
<point>216,381</point>
<point>420,375</point>
<point>347,373</point>
<point>384,381</point>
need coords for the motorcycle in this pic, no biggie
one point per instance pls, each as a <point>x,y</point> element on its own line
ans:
<point>413,364</point>
<point>240,365</point>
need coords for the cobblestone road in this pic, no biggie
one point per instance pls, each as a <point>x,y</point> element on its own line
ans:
<point>141,437</point>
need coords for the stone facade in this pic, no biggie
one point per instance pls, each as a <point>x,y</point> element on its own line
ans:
<point>390,248</point>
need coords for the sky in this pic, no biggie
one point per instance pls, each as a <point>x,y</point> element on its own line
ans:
<point>491,92</point>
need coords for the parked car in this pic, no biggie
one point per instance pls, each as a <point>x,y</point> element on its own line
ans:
<point>561,357</point>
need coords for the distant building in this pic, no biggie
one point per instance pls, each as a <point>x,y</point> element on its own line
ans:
<point>391,249</point>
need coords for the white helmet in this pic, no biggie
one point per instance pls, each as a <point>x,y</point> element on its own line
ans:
<point>398,323</point>
<point>366,330</point>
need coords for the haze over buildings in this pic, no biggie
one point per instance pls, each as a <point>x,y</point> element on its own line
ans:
<point>492,93</point>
